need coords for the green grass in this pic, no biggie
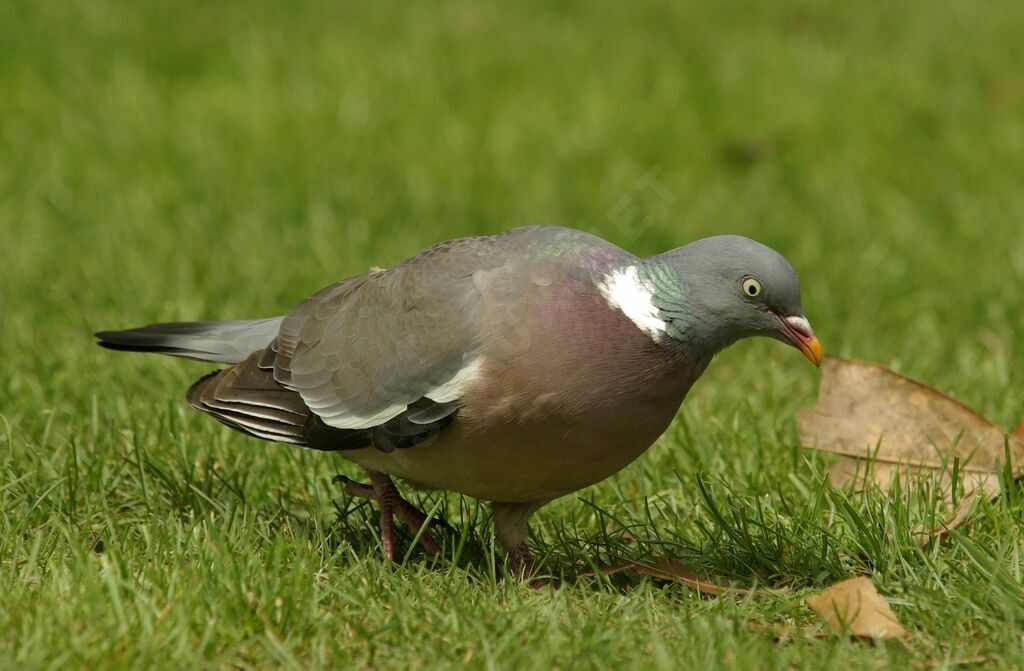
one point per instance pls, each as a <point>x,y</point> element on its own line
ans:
<point>175,160</point>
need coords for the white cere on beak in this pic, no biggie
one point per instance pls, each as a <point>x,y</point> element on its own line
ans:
<point>800,325</point>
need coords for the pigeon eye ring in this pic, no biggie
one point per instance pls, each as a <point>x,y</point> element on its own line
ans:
<point>751,287</point>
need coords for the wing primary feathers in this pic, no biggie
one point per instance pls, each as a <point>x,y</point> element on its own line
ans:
<point>247,398</point>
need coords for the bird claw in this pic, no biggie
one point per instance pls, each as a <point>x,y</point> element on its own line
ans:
<point>353,488</point>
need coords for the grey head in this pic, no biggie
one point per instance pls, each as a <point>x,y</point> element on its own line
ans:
<point>717,290</point>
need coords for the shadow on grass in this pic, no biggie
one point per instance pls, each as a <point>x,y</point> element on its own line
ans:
<point>801,534</point>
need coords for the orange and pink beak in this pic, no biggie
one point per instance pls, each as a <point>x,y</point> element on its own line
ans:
<point>798,331</point>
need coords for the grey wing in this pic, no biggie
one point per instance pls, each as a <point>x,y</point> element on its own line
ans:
<point>381,360</point>
<point>362,351</point>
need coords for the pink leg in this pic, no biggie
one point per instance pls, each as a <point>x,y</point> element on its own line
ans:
<point>386,498</point>
<point>383,491</point>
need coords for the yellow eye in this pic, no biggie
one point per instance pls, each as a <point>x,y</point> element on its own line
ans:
<point>751,287</point>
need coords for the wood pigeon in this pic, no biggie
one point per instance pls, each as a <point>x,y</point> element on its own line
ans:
<point>515,368</point>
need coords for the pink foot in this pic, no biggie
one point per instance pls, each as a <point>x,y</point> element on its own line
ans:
<point>520,561</point>
<point>520,565</point>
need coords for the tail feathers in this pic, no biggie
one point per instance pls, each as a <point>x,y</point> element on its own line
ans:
<point>219,342</point>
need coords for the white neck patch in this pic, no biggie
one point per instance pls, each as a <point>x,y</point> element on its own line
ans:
<point>627,293</point>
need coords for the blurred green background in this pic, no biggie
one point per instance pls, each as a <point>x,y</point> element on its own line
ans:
<point>187,160</point>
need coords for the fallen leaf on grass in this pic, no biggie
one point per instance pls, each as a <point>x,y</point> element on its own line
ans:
<point>880,422</point>
<point>855,607</point>
<point>664,568</point>
<point>955,521</point>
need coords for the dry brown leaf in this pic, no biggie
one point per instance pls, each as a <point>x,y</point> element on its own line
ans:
<point>1019,431</point>
<point>855,607</point>
<point>664,568</point>
<point>880,422</point>
<point>956,520</point>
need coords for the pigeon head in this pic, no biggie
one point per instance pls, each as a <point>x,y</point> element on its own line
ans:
<point>717,290</point>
